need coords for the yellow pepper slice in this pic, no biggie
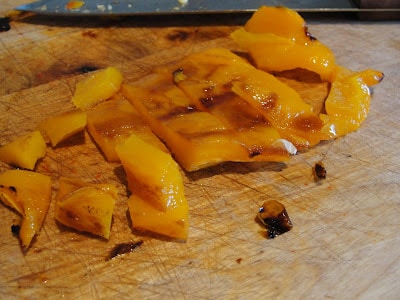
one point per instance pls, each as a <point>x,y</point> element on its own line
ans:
<point>60,127</point>
<point>112,122</point>
<point>348,102</point>
<point>96,88</point>
<point>208,78</point>
<point>85,206</point>
<point>158,203</point>
<point>280,21</point>
<point>277,39</point>
<point>213,75</point>
<point>24,151</point>
<point>196,137</point>
<point>31,198</point>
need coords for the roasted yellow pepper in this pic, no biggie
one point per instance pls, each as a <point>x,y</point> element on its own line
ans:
<point>60,127</point>
<point>347,104</point>
<point>98,87</point>
<point>197,138</point>
<point>24,151</point>
<point>262,109</point>
<point>208,79</point>
<point>111,122</point>
<point>86,206</point>
<point>280,21</point>
<point>29,193</point>
<point>158,203</point>
<point>277,39</point>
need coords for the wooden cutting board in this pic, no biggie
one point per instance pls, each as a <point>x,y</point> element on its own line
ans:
<point>345,241</point>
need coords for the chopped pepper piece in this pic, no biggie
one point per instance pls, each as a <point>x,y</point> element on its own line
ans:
<point>98,87</point>
<point>208,78</point>
<point>60,127</point>
<point>348,102</point>
<point>24,151</point>
<point>277,39</point>
<point>196,138</point>
<point>158,203</point>
<point>111,122</point>
<point>31,194</point>
<point>280,105</point>
<point>85,206</point>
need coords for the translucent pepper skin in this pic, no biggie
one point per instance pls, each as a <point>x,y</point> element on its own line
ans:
<point>277,39</point>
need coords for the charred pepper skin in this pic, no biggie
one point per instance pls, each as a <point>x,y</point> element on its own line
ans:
<point>319,171</point>
<point>274,217</point>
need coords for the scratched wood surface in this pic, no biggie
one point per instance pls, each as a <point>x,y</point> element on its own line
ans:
<point>345,241</point>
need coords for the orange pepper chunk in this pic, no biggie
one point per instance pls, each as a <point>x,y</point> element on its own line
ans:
<point>207,78</point>
<point>24,151</point>
<point>283,107</point>
<point>208,74</point>
<point>60,127</point>
<point>158,203</point>
<point>85,206</point>
<point>348,102</point>
<point>277,40</point>
<point>112,122</point>
<point>196,138</point>
<point>197,135</point>
<point>31,198</point>
<point>279,21</point>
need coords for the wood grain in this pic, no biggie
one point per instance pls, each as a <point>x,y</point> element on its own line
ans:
<point>345,240</point>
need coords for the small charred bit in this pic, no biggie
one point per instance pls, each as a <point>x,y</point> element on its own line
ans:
<point>5,24</point>
<point>319,171</point>
<point>274,217</point>
<point>15,229</point>
<point>123,248</point>
<point>207,101</point>
<point>179,111</point>
<point>178,75</point>
<point>309,35</point>
<point>255,150</point>
<point>11,188</point>
<point>215,99</point>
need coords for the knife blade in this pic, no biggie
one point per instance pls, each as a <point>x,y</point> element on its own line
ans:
<point>142,7</point>
<point>159,7</point>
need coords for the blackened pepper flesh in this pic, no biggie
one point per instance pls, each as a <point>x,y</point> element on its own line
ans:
<point>5,24</point>
<point>123,248</point>
<point>319,171</point>
<point>274,217</point>
<point>15,229</point>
